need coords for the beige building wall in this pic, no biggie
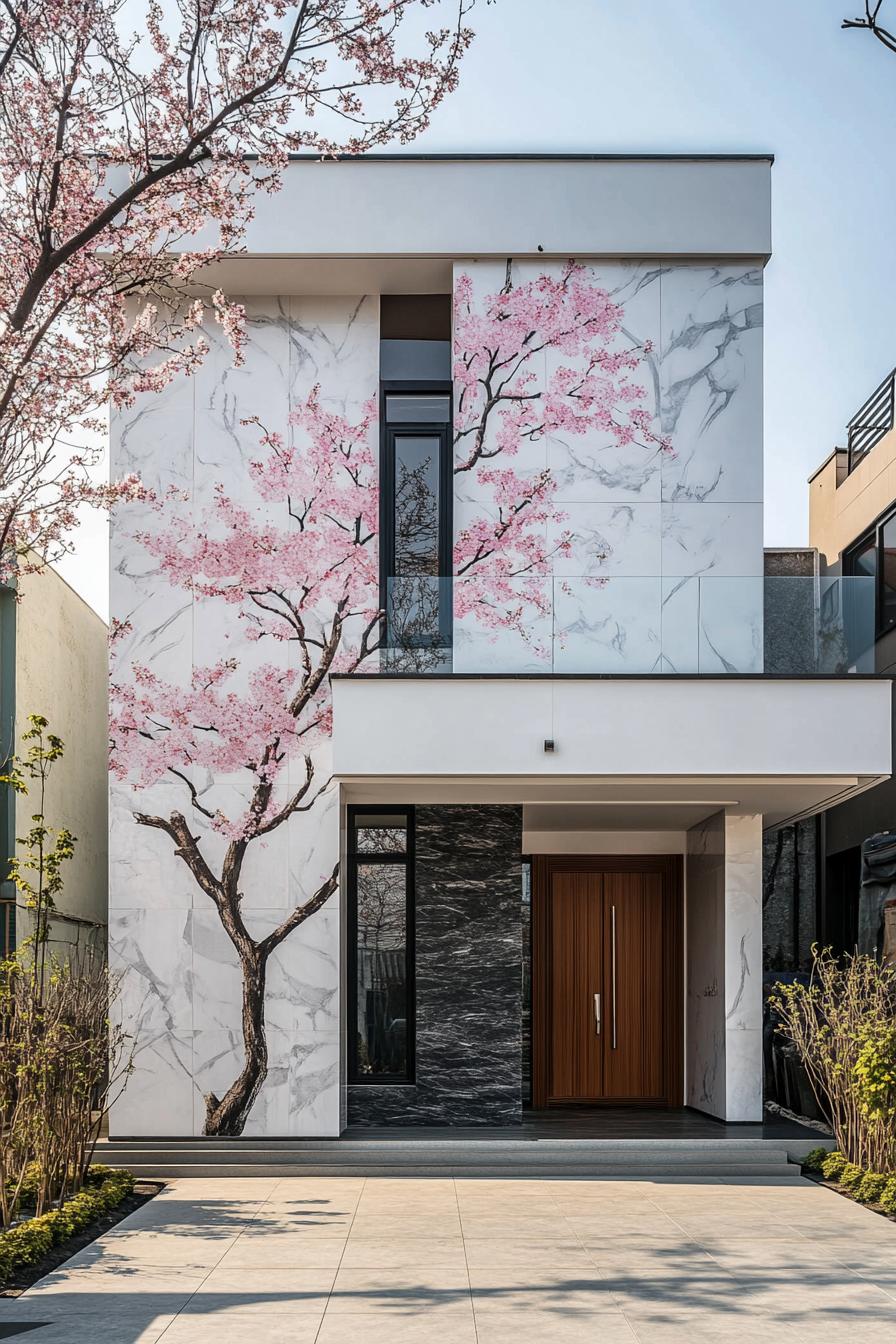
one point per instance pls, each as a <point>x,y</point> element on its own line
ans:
<point>61,672</point>
<point>838,515</point>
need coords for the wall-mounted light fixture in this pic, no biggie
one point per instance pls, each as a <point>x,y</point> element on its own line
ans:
<point>549,744</point>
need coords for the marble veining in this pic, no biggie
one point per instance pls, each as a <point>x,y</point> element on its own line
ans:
<point>468,878</point>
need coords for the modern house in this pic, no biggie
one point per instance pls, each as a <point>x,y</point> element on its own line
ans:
<point>852,530</point>
<point>450,698</point>
<point>53,661</point>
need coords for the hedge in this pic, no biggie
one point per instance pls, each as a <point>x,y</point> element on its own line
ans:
<point>29,1241</point>
<point>868,1187</point>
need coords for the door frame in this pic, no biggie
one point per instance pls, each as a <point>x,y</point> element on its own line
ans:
<point>670,867</point>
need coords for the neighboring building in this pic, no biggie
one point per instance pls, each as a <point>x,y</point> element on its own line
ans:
<point>520,860</point>
<point>852,526</point>
<point>54,662</point>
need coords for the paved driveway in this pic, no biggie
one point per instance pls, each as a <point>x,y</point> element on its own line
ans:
<point>326,1261</point>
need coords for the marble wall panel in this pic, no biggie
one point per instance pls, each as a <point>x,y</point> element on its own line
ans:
<point>724,967</point>
<point>607,626</point>
<point>711,383</point>
<point>690,507</point>
<point>468,880</point>
<point>182,984</point>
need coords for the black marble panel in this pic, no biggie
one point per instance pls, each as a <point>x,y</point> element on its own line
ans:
<point>468,976</point>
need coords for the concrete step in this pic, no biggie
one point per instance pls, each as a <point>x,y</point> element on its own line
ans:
<point>645,1158</point>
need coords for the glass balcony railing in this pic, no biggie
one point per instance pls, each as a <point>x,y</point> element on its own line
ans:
<point>621,625</point>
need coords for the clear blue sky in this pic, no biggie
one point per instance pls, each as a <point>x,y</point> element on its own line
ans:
<point>734,75</point>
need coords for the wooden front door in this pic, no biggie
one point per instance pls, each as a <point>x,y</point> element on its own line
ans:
<point>606,962</point>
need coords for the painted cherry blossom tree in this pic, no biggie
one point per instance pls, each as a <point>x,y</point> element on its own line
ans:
<point>503,401</point>
<point>118,149</point>
<point>300,571</point>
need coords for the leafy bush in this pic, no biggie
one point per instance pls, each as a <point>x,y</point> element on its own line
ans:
<point>888,1196</point>
<point>832,1166</point>
<point>871,1187</point>
<point>815,1158</point>
<point>843,1025</point>
<point>29,1241</point>
<point>61,1061</point>
<point>850,1177</point>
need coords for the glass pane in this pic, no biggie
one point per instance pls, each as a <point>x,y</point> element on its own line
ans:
<point>416,505</point>
<point>888,576</point>
<point>380,835</point>
<point>412,408</point>
<point>864,560</point>
<point>382,970</point>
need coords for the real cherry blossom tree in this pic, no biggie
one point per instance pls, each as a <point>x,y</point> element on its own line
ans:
<point>302,574</point>
<point>503,401</point>
<point>117,149</point>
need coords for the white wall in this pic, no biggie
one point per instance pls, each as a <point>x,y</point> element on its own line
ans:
<point>61,672</point>
<point>409,206</point>
<point>181,979</point>
<point>494,726</point>
<point>664,570</point>
<point>723,983</point>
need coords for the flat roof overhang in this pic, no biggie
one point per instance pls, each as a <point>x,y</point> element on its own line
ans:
<point>394,223</point>
<point>632,753</point>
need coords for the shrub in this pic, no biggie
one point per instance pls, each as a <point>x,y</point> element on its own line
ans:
<point>871,1187</point>
<point>832,1166</point>
<point>29,1241</point>
<point>850,1177</point>
<point>888,1196</point>
<point>843,1025</point>
<point>61,1061</point>
<point>815,1158</point>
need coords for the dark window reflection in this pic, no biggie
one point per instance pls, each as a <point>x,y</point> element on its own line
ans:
<point>888,574</point>
<point>416,505</point>
<point>382,997</point>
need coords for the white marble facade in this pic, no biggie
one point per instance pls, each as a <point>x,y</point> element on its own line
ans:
<point>723,984</point>
<point>180,977</point>
<point>677,535</point>
<point>662,573</point>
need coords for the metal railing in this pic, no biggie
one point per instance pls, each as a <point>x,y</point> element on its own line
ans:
<point>704,625</point>
<point>871,422</point>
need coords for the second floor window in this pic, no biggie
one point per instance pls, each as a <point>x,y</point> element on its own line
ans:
<point>874,557</point>
<point>416,487</point>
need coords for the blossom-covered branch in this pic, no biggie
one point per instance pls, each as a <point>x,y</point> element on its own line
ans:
<point>117,151</point>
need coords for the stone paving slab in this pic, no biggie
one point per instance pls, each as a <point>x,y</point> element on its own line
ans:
<point>526,1261</point>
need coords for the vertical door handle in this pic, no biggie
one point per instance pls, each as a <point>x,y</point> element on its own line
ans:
<point>613,969</point>
<point>597,1014</point>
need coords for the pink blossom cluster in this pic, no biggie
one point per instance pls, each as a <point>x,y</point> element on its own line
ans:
<point>299,568</point>
<point>130,160</point>
<point>504,399</point>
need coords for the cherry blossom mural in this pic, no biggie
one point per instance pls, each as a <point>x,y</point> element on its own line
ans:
<point>535,357</point>
<point>302,574</point>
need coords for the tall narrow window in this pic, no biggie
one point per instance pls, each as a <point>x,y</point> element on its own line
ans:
<point>416,522</point>
<point>381,918</point>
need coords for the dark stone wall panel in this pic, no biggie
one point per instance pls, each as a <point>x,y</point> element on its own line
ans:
<point>468,912</point>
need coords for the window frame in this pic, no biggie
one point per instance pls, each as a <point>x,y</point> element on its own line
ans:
<point>874,533</point>
<point>444,430</point>
<point>353,859</point>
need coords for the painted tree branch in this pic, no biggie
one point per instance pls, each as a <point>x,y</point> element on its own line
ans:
<point>116,152</point>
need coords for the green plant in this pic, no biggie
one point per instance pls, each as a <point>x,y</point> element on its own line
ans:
<point>832,1166</point>
<point>843,1025</point>
<point>61,1060</point>
<point>29,1241</point>
<point>871,1187</point>
<point>888,1196</point>
<point>815,1158</point>
<point>850,1177</point>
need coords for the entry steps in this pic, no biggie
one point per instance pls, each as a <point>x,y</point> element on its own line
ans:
<point>645,1159</point>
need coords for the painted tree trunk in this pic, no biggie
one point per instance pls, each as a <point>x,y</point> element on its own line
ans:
<point>227,1118</point>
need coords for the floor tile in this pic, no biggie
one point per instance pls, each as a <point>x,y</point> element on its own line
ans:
<point>224,1327</point>
<point>397,1252</point>
<point>392,1327</point>
<point>553,1327</point>
<point>496,1251</point>
<point>417,1289</point>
